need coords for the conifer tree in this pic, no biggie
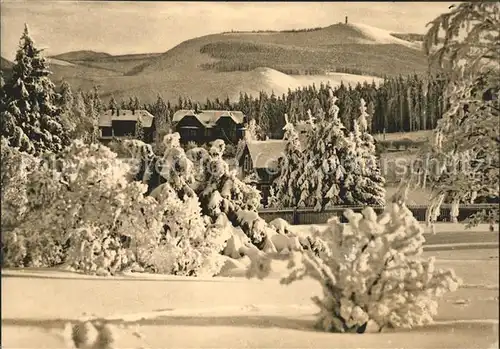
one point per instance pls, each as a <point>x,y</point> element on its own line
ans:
<point>320,181</point>
<point>65,103</point>
<point>252,131</point>
<point>128,105</point>
<point>113,105</point>
<point>83,123</point>
<point>31,119</point>
<point>66,97</point>
<point>370,110</point>
<point>161,121</point>
<point>467,136</point>
<point>369,190</point>
<point>98,106</point>
<point>285,193</point>
<point>92,115</point>
<point>135,104</point>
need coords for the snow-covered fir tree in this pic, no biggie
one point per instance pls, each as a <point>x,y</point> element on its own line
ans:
<point>321,180</point>
<point>369,187</point>
<point>467,136</point>
<point>31,119</point>
<point>252,131</point>
<point>84,128</point>
<point>350,187</point>
<point>94,108</point>
<point>221,191</point>
<point>372,272</point>
<point>113,104</point>
<point>66,97</point>
<point>285,192</point>
<point>66,104</point>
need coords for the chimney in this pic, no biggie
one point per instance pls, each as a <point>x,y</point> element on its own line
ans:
<point>345,19</point>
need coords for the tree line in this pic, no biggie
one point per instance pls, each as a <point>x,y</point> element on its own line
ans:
<point>400,104</point>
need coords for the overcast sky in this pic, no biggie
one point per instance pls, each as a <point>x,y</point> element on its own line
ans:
<point>137,27</point>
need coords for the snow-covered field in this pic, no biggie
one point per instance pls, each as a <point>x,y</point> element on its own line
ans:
<point>381,36</point>
<point>232,312</point>
<point>268,79</point>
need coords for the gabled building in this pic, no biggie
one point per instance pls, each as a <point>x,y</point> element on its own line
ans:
<point>122,124</point>
<point>205,126</point>
<point>261,158</point>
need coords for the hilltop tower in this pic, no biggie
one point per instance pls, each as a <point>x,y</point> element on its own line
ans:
<point>345,19</point>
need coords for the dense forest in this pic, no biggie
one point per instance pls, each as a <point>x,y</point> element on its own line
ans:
<point>402,104</point>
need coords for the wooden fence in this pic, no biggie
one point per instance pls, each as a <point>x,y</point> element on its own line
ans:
<point>309,216</point>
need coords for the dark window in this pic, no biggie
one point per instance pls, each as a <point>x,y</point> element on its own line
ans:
<point>106,132</point>
<point>247,165</point>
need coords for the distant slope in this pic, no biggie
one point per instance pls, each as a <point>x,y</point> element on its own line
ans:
<point>81,56</point>
<point>222,65</point>
<point>5,64</point>
<point>56,61</point>
<point>123,64</point>
<point>6,67</point>
<point>351,48</point>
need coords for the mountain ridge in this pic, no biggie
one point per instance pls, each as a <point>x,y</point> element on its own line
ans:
<point>225,64</point>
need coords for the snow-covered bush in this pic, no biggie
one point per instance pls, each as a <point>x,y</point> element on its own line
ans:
<point>188,245</point>
<point>371,271</point>
<point>15,167</point>
<point>83,209</point>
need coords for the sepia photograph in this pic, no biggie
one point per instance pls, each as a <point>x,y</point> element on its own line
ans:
<point>250,174</point>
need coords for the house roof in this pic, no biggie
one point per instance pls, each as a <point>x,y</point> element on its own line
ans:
<point>265,154</point>
<point>209,117</point>
<point>106,118</point>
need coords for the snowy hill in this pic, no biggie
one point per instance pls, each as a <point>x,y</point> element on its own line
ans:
<point>223,65</point>
<point>381,36</point>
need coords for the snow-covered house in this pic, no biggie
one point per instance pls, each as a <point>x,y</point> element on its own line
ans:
<point>261,159</point>
<point>203,126</point>
<point>122,123</point>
